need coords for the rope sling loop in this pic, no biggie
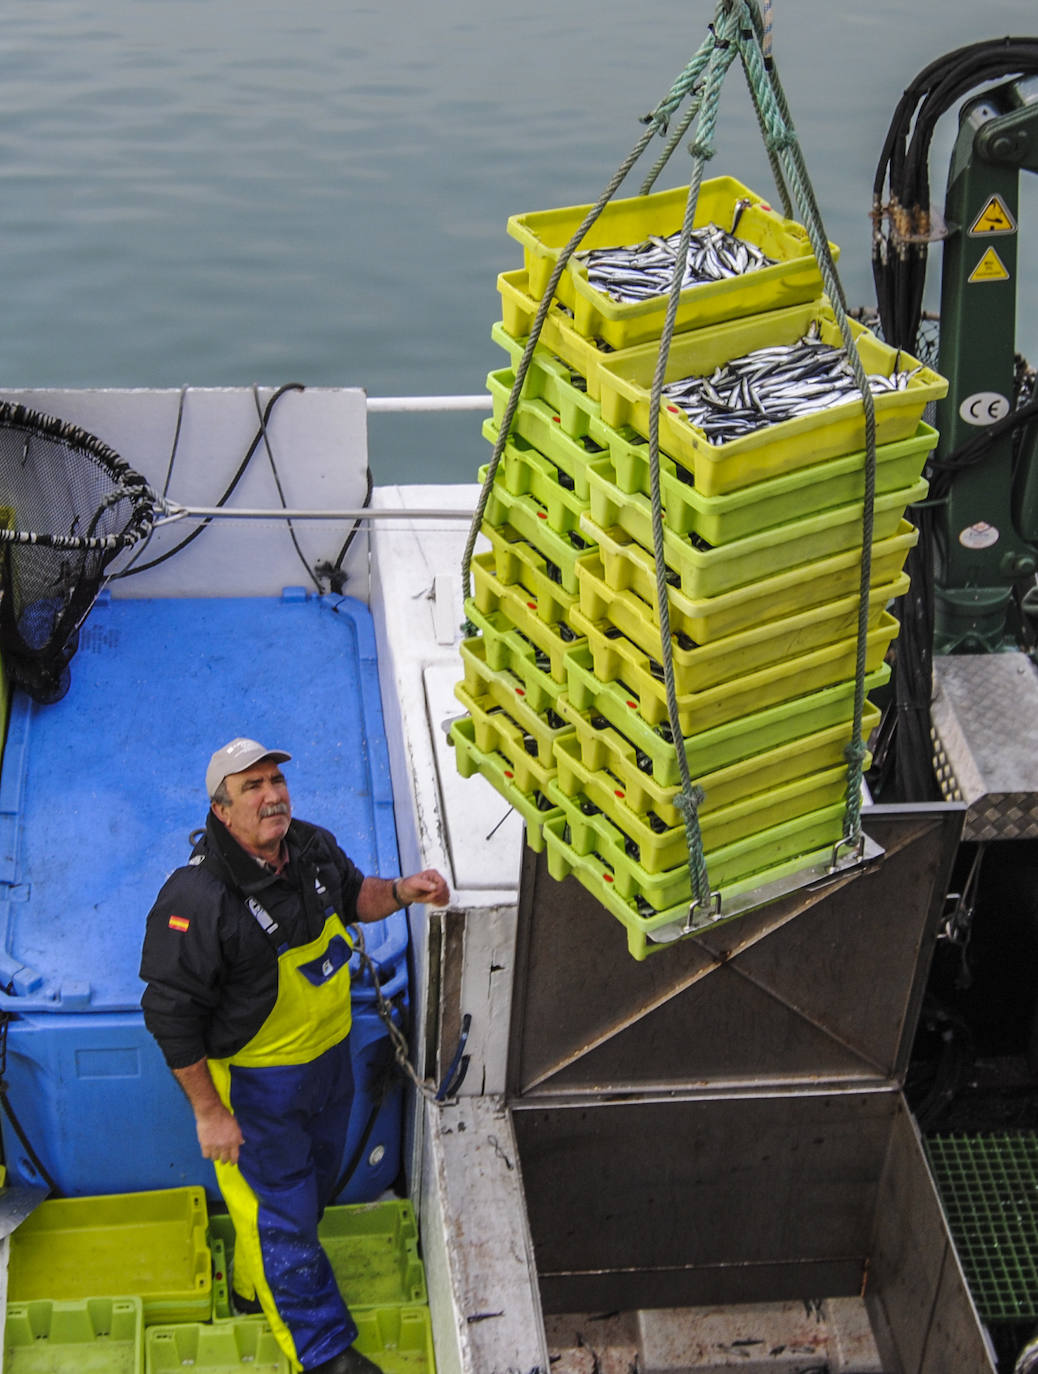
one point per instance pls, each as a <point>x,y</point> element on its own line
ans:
<point>738,30</point>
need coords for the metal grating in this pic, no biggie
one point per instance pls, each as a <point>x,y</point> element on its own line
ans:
<point>989,1189</point>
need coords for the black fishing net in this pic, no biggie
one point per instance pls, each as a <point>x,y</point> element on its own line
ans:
<point>68,506</point>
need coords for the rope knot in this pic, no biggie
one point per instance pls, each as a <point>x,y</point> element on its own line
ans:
<point>689,801</point>
<point>778,143</point>
<point>468,629</point>
<point>855,753</point>
<point>701,150</point>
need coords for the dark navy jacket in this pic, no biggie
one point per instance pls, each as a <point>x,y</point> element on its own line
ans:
<point>210,968</point>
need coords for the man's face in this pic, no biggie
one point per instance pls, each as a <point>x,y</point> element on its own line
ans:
<point>259,810</point>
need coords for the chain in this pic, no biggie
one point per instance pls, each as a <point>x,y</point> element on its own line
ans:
<point>385,1010</point>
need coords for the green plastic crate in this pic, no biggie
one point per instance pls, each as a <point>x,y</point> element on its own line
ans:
<point>541,426</point>
<point>398,1339</point>
<point>773,854</point>
<point>495,731</point>
<point>501,692</point>
<point>534,807</point>
<point>626,564</point>
<point>515,561</point>
<point>639,854</point>
<point>725,744</point>
<point>372,1248</point>
<point>700,666</point>
<point>707,572</point>
<point>794,277</point>
<point>761,505</point>
<point>773,449</point>
<point>603,753</point>
<point>148,1245</point>
<point>989,1190</point>
<point>524,469</point>
<point>528,518</point>
<point>93,1336</point>
<point>551,638</point>
<point>636,679</point>
<point>245,1343</point>
<point>506,648</point>
<point>558,338</point>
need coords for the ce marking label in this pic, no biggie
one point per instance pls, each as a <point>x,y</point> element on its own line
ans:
<point>984,408</point>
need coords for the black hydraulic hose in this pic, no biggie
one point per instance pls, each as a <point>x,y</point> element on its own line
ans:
<point>242,466</point>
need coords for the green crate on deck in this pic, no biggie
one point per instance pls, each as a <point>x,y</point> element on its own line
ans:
<point>989,1191</point>
<point>372,1248</point>
<point>92,1336</point>
<point>602,750</point>
<point>629,671</point>
<point>398,1339</point>
<point>794,276</point>
<point>534,807</point>
<point>230,1347</point>
<point>774,854</point>
<point>710,750</point>
<point>625,563</point>
<point>777,448</point>
<point>149,1245</point>
<point>698,666</point>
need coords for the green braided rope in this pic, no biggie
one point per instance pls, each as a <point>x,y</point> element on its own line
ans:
<point>657,121</point>
<point>688,798</point>
<point>782,136</point>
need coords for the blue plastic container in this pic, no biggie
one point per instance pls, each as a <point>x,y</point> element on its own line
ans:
<point>98,795</point>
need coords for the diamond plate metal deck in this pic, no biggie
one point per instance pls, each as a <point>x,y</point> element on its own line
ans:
<point>984,730</point>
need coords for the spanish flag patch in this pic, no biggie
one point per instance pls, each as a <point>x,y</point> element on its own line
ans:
<point>178,923</point>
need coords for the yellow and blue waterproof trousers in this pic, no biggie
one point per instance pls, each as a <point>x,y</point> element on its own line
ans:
<point>291,1090</point>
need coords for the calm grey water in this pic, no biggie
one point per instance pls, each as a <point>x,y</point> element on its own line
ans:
<point>218,192</point>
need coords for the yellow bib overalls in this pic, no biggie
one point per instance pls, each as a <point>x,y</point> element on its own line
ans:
<point>291,1088</point>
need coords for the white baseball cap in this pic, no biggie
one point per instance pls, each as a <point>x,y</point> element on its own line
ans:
<point>235,758</point>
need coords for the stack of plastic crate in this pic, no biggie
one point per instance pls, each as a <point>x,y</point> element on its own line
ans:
<point>563,686</point>
<point>138,1283</point>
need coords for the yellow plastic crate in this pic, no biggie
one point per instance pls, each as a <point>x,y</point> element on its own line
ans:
<point>772,502</point>
<point>774,449</point>
<point>746,737</point>
<point>551,639</point>
<point>523,470</point>
<point>698,666</point>
<point>602,750</point>
<point>552,378</point>
<point>534,807</point>
<point>485,691</point>
<point>657,848</point>
<point>508,649</point>
<point>515,562</point>
<point>221,1348</point>
<point>773,854</point>
<point>558,338</point>
<point>591,835</point>
<point>528,519</point>
<point>148,1245</point>
<point>626,564</point>
<point>541,426</point>
<point>707,572</point>
<point>94,1336</point>
<point>821,667</point>
<point>794,277</point>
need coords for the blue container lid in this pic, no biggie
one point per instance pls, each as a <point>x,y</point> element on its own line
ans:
<point>100,791</point>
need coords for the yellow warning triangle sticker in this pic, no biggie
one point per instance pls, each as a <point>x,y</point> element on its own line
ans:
<point>994,218</point>
<point>990,268</point>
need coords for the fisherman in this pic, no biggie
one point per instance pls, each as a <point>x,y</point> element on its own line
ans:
<point>246,958</point>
